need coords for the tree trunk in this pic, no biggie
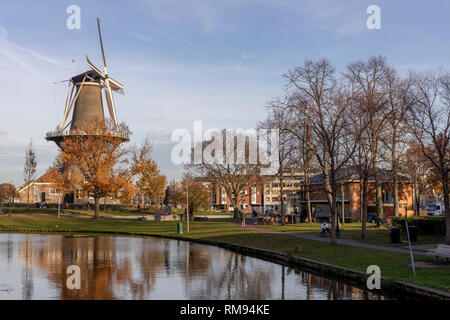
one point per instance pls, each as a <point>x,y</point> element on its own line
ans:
<point>334,221</point>
<point>28,197</point>
<point>379,205</point>
<point>446,191</point>
<point>343,204</point>
<point>418,203</point>
<point>364,209</point>
<point>281,198</point>
<point>236,212</point>
<point>308,201</point>
<point>394,170</point>
<point>332,188</point>
<point>378,198</point>
<point>395,194</point>
<point>361,204</point>
<point>96,206</point>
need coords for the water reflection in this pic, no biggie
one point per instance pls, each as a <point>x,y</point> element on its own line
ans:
<point>34,267</point>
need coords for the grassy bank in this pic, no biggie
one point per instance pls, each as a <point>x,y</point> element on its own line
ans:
<point>393,265</point>
<point>109,212</point>
<point>352,231</point>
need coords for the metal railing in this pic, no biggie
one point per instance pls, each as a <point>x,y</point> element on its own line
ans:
<point>68,133</point>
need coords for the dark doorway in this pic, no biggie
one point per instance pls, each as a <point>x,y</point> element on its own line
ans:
<point>69,197</point>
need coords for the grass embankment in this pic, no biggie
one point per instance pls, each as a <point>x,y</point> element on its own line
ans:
<point>352,231</point>
<point>393,265</point>
<point>123,212</point>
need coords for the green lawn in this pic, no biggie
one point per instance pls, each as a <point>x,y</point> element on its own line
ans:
<point>202,212</point>
<point>393,265</point>
<point>123,212</point>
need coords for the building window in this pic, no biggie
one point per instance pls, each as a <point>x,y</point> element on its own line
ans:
<point>53,192</point>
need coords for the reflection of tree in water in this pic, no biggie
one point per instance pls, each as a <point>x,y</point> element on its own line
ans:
<point>94,256</point>
<point>152,258</point>
<point>334,290</point>
<point>237,278</point>
<point>130,268</point>
<point>27,275</point>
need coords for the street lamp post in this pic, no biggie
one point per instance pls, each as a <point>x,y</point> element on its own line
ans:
<point>187,205</point>
<point>59,201</point>
<point>10,203</point>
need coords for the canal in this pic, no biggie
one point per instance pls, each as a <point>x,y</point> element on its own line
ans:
<point>34,266</point>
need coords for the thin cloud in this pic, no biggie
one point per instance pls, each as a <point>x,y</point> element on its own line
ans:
<point>144,37</point>
<point>242,60</point>
<point>23,57</point>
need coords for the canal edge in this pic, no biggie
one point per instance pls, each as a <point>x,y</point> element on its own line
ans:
<point>313,266</point>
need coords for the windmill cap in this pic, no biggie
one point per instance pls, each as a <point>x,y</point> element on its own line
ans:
<point>90,75</point>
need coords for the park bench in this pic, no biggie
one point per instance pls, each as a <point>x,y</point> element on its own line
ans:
<point>441,251</point>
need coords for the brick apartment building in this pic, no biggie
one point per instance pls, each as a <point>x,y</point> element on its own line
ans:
<point>261,197</point>
<point>352,199</point>
<point>267,196</point>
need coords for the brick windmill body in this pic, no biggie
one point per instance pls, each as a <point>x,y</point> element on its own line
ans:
<point>84,101</point>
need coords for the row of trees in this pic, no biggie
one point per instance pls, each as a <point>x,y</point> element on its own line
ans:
<point>363,120</point>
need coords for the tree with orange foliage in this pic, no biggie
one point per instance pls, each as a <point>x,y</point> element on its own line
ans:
<point>7,193</point>
<point>149,180</point>
<point>64,176</point>
<point>198,195</point>
<point>95,153</point>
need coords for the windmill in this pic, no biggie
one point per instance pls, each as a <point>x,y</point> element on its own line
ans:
<point>84,97</point>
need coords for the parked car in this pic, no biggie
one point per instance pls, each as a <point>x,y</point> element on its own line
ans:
<point>435,209</point>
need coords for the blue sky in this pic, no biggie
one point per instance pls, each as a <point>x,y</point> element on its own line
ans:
<point>181,61</point>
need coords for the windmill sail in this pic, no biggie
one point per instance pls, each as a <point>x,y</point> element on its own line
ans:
<point>85,98</point>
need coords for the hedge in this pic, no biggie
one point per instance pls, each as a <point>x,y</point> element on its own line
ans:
<point>427,225</point>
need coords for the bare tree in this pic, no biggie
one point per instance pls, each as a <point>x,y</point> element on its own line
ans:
<point>429,121</point>
<point>328,107</point>
<point>397,91</point>
<point>302,157</point>
<point>226,160</point>
<point>366,79</point>
<point>29,169</point>
<point>417,169</point>
<point>278,119</point>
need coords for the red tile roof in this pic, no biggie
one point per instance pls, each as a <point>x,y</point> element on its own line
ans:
<point>48,176</point>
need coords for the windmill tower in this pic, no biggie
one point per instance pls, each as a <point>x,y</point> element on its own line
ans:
<point>84,101</point>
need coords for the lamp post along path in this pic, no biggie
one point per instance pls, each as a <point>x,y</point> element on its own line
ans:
<point>187,205</point>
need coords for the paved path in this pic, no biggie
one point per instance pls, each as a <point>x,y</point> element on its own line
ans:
<point>339,241</point>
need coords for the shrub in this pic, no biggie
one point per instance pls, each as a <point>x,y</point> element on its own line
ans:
<point>426,225</point>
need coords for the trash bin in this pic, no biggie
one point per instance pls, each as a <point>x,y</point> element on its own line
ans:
<point>413,230</point>
<point>394,234</point>
<point>180,228</point>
